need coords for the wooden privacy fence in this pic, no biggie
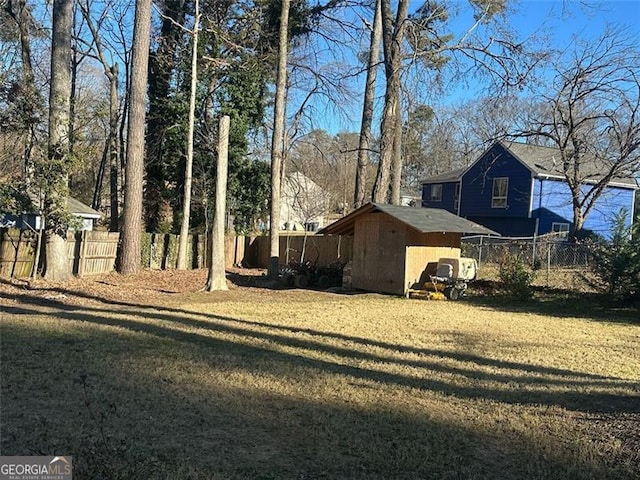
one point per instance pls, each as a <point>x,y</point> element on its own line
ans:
<point>94,252</point>
<point>17,252</point>
<point>318,249</point>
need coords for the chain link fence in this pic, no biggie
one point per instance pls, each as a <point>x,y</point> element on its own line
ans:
<point>556,262</point>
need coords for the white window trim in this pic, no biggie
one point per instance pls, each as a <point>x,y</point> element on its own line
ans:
<point>431,197</point>
<point>561,233</point>
<point>494,198</point>
<point>456,196</point>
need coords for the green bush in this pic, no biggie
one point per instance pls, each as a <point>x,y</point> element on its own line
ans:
<point>516,277</point>
<point>615,263</point>
<point>145,250</point>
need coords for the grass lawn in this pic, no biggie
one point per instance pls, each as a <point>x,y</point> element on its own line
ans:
<point>147,377</point>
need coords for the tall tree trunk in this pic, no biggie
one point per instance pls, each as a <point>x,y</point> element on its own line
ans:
<point>76,60</point>
<point>129,257</point>
<point>364,145</point>
<point>114,150</point>
<point>96,202</point>
<point>396,160</point>
<point>57,264</point>
<point>578,218</point>
<point>188,169</point>
<point>122,131</point>
<point>217,279</point>
<point>392,38</point>
<point>277,142</point>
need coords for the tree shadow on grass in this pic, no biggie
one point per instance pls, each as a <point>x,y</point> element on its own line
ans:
<point>555,302</point>
<point>515,383</point>
<point>196,319</point>
<point>154,423</point>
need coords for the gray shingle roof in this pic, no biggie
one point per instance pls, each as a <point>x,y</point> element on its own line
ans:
<point>75,206</point>
<point>81,209</point>
<point>542,161</point>
<point>424,220</point>
<point>452,176</point>
<point>547,161</point>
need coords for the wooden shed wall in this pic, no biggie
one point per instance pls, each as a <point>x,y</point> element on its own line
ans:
<point>378,254</point>
<point>422,261</point>
<point>423,252</point>
<point>433,239</point>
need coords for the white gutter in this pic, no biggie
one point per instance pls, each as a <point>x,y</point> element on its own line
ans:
<point>609,184</point>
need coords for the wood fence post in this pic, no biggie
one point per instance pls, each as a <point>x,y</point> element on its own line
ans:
<point>83,253</point>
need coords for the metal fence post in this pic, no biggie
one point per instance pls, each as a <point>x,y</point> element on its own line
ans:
<point>548,262</point>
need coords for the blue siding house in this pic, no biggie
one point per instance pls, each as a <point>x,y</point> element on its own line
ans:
<point>516,190</point>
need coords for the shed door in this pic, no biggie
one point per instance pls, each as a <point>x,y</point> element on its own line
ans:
<point>379,256</point>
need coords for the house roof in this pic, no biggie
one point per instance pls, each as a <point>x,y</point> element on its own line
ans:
<point>75,206</point>
<point>546,162</point>
<point>80,209</point>
<point>452,176</point>
<point>300,180</point>
<point>542,161</point>
<point>424,220</point>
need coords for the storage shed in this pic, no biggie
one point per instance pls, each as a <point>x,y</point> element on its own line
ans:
<point>392,245</point>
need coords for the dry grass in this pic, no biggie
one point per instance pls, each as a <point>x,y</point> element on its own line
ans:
<point>148,378</point>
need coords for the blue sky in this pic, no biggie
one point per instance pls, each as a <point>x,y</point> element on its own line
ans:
<point>565,19</point>
<point>559,21</point>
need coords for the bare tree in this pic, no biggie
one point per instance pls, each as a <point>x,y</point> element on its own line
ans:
<point>112,147</point>
<point>277,143</point>
<point>497,56</point>
<point>188,169</point>
<point>364,145</point>
<point>392,39</point>
<point>54,174</point>
<point>130,247</point>
<point>592,117</point>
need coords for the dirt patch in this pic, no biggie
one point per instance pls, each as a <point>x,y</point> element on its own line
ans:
<point>147,286</point>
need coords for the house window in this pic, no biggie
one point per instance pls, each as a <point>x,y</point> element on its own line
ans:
<point>561,229</point>
<point>500,188</point>
<point>456,197</point>
<point>436,193</point>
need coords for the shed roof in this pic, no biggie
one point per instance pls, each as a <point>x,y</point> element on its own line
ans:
<point>424,220</point>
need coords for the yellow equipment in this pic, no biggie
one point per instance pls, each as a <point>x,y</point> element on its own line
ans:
<point>450,280</point>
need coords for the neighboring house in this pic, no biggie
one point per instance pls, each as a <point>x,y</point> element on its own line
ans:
<point>304,204</point>
<point>26,220</point>
<point>519,190</point>
<point>410,199</point>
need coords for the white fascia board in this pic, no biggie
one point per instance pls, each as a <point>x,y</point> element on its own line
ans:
<point>610,184</point>
<point>533,180</point>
